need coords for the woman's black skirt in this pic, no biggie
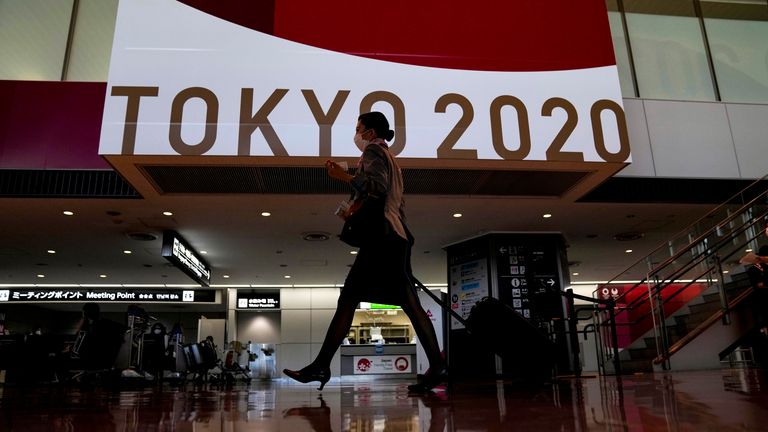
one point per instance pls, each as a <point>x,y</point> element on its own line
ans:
<point>380,273</point>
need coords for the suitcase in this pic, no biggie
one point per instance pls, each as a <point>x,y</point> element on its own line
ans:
<point>526,352</point>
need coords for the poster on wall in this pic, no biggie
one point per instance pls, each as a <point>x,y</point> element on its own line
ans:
<point>467,285</point>
<point>522,81</point>
<point>384,364</point>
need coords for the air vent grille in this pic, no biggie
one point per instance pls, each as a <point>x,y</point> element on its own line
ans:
<point>314,180</point>
<point>64,184</point>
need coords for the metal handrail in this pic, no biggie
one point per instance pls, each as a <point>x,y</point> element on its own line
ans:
<point>697,252</point>
<point>701,328</point>
<point>698,258</point>
<point>687,229</point>
<point>706,216</point>
<point>658,286</point>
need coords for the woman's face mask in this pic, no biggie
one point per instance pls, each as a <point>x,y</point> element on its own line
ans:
<point>359,141</point>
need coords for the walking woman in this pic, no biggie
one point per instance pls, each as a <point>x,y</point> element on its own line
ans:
<point>381,272</point>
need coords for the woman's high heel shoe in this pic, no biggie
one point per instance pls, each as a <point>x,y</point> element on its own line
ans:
<point>308,375</point>
<point>428,382</point>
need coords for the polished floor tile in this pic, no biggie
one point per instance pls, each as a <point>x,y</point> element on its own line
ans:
<point>729,400</point>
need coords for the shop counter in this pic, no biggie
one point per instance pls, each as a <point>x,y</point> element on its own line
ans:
<point>387,359</point>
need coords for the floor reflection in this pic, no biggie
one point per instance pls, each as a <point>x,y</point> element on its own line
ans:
<point>715,400</point>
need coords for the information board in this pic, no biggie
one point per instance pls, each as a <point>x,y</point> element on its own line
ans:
<point>468,284</point>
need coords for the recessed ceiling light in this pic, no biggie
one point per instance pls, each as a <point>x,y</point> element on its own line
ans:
<point>457,215</point>
<point>725,271</point>
<point>748,250</point>
<point>546,215</point>
<point>68,213</point>
<point>204,252</point>
<point>628,251</point>
<point>266,214</point>
<point>287,276</point>
<point>51,251</point>
<point>41,275</point>
<point>167,213</point>
<point>576,274</point>
<point>353,252</point>
<point>226,276</point>
<point>102,276</point>
<point>127,252</point>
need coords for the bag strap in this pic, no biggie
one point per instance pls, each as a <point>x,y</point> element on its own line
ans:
<point>442,304</point>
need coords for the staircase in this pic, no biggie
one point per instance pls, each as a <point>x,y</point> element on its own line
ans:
<point>685,286</point>
<point>640,355</point>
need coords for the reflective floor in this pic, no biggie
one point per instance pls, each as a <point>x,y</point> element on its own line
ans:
<point>730,400</point>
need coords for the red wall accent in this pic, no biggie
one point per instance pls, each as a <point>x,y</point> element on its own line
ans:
<point>51,125</point>
<point>628,333</point>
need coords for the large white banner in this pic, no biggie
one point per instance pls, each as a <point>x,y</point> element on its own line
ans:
<point>183,82</point>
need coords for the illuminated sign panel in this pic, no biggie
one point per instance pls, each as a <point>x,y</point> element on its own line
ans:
<point>181,254</point>
<point>258,300</point>
<point>110,295</point>
<point>518,81</point>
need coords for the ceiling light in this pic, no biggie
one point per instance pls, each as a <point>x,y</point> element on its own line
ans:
<point>457,215</point>
<point>546,215</point>
<point>102,276</point>
<point>266,214</point>
<point>41,275</point>
<point>628,236</point>
<point>315,236</point>
<point>141,236</point>
<point>167,213</point>
<point>725,272</point>
<point>748,250</point>
<point>127,252</point>
<point>287,276</point>
<point>576,274</point>
<point>226,276</point>
<point>51,251</point>
<point>628,251</point>
<point>204,252</point>
<point>68,213</point>
<point>353,252</point>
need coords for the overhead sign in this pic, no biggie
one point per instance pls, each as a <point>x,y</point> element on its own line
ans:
<point>524,81</point>
<point>77,295</point>
<point>258,300</point>
<point>180,253</point>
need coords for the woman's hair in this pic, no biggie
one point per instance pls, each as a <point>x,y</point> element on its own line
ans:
<point>763,251</point>
<point>376,121</point>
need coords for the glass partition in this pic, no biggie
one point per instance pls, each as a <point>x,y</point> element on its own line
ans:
<point>620,49</point>
<point>668,49</point>
<point>737,31</point>
<point>92,41</point>
<point>33,38</point>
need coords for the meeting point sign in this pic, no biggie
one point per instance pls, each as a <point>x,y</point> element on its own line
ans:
<point>506,80</point>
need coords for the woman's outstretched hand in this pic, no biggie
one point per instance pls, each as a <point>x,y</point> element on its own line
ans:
<point>337,171</point>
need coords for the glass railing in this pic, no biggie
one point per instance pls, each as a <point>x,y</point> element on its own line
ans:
<point>699,260</point>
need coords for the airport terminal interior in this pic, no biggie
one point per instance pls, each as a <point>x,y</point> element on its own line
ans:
<point>585,184</point>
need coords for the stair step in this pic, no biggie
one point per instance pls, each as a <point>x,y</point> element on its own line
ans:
<point>711,306</point>
<point>632,366</point>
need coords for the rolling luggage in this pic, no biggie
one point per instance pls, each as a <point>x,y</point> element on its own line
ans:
<point>525,350</point>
